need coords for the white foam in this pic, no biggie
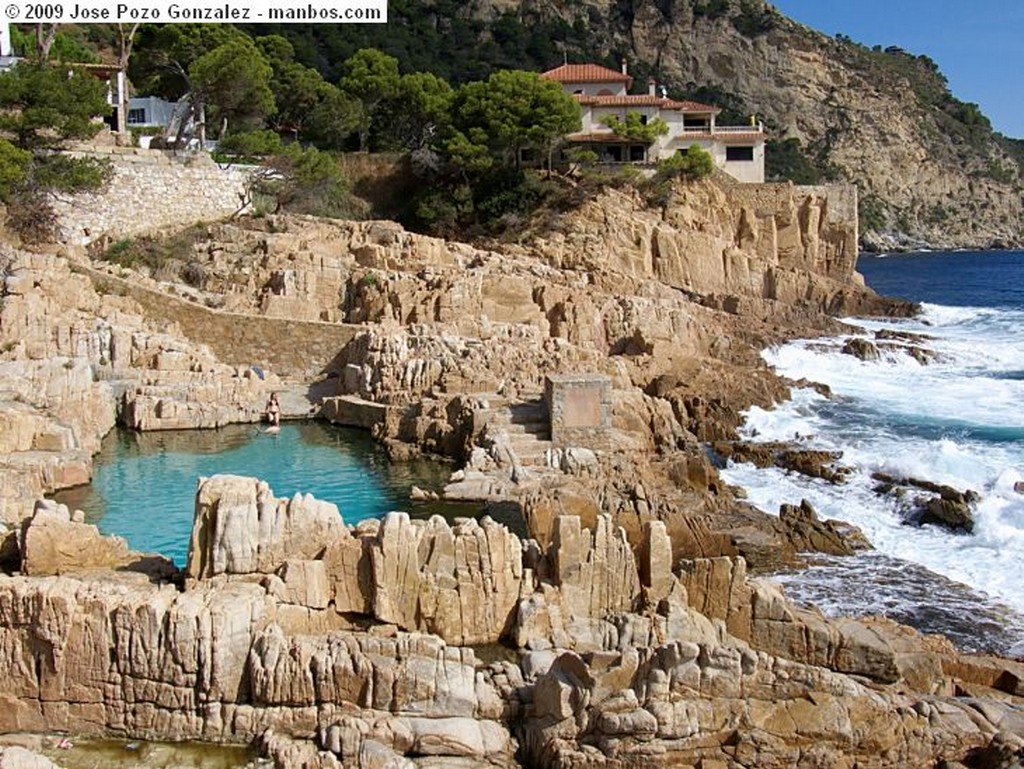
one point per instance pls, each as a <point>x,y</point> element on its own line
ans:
<point>955,421</point>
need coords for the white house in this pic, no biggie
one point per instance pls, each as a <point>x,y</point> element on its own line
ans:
<point>150,112</point>
<point>603,92</point>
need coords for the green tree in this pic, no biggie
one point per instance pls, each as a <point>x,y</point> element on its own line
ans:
<point>695,163</point>
<point>14,168</point>
<point>234,80</point>
<point>296,88</point>
<point>635,129</point>
<point>510,111</point>
<point>250,144</point>
<point>333,119</point>
<point>163,54</point>
<point>370,78</point>
<point>419,114</point>
<point>306,181</point>
<point>42,107</point>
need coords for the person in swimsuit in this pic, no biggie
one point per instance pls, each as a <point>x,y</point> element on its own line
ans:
<point>273,411</point>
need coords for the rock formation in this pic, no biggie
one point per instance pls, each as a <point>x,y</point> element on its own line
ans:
<point>621,656</point>
<point>618,626</point>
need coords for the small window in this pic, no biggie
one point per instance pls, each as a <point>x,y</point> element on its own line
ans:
<point>696,122</point>
<point>739,154</point>
<point>643,119</point>
<point>637,153</point>
<point>136,116</point>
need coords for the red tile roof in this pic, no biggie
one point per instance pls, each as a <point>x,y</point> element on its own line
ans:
<point>586,73</point>
<point>644,100</point>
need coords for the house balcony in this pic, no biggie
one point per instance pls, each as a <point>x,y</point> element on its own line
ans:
<point>724,132</point>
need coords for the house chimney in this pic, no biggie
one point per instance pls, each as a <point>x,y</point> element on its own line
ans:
<point>625,66</point>
<point>652,87</point>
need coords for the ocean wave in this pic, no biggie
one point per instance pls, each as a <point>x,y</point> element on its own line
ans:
<point>955,421</point>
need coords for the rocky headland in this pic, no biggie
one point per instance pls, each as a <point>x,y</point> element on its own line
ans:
<point>589,377</point>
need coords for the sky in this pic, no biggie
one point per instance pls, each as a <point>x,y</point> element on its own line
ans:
<point>978,44</point>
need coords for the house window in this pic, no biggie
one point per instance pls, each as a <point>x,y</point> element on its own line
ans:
<point>637,153</point>
<point>643,119</point>
<point>136,116</point>
<point>695,122</point>
<point>739,154</point>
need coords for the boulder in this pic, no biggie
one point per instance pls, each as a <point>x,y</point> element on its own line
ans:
<point>807,533</point>
<point>15,757</point>
<point>860,348</point>
<point>52,543</point>
<point>948,507</point>
<point>241,528</point>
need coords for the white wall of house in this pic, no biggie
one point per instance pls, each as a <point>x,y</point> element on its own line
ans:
<point>149,111</point>
<point>749,171</point>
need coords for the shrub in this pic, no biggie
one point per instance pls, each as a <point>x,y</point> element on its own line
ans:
<point>695,163</point>
<point>247,145</point>
<point>31,216</point>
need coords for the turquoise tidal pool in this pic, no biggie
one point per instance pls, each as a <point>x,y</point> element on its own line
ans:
<point>144,484</point>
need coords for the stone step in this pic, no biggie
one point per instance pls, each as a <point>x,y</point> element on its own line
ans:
<point>529,450</point>
<point>538,429</point>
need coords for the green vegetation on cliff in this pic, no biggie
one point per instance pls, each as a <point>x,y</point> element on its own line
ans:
<point>881,118</point>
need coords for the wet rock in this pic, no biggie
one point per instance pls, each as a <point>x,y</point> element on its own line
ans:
<point>814,463</point>
<point>860,348</point>
<point>889,334</point>
<point>948,507</point>
<point>807,533</point>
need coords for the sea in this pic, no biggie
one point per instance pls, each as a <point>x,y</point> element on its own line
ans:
<point>954,416</point>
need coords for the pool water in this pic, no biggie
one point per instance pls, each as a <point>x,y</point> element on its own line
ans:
<point>144,484</point>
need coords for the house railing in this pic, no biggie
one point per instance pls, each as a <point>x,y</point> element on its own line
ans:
<point>721,129</point>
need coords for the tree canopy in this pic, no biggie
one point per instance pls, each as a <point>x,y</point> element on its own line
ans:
<point>370,78</point>
<point>496,119</point>
<point>234,80</point>
<point>635,128</point>
<point>42,107</point>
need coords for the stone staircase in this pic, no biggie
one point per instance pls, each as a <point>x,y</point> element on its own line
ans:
<point>523,427</point>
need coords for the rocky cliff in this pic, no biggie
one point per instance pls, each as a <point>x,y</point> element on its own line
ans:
<point>929,168</point>
<point>616,626</point>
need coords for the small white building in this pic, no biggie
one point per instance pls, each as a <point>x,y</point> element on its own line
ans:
<point>603,92</point>
<point>149,112</point>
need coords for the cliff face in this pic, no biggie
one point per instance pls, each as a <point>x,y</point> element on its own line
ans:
<point>928,167</point>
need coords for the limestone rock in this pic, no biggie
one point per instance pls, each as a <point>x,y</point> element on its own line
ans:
<point>241,528</point>
<point>54,544</point>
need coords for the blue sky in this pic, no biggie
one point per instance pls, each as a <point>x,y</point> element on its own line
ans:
<point>978,44</point>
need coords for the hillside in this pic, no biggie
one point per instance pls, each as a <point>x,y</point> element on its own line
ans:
<point>929,167</point>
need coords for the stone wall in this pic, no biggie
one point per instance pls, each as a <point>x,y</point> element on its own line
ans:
<point>150,189</point>
<point>299,349</point>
